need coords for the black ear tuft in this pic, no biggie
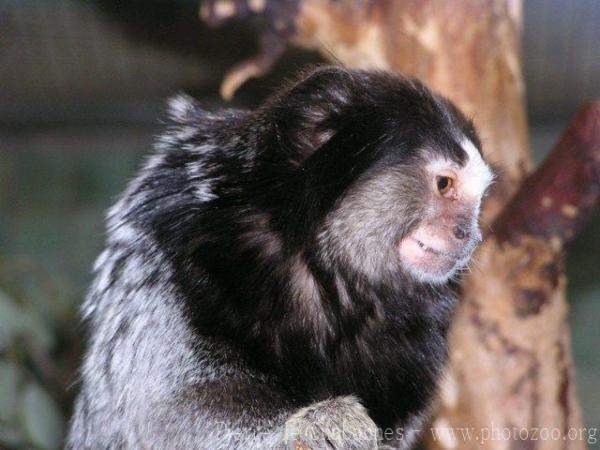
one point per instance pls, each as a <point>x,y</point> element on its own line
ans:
<point>307,113</point>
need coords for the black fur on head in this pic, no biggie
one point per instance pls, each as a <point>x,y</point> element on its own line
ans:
<point>283,226</point>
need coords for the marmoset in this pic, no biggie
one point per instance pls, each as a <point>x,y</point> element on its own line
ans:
<point>284,275</point>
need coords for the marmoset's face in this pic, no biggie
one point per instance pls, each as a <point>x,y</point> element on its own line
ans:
<point>417,215</point>
<point>447,233</point>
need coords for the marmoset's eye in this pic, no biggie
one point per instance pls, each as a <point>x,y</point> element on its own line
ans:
<point>444,184</point>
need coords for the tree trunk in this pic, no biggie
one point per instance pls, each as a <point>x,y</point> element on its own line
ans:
<point>510,377</point>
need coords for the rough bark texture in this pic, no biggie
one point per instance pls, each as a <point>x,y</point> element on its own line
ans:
<point>510,352</point>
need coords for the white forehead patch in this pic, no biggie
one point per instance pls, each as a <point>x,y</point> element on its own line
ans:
<point>475,175</point>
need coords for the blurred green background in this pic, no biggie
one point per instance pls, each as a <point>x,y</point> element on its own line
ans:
<point>82,89</point>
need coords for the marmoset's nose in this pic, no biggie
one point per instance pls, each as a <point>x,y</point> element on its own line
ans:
<point>460,233</point>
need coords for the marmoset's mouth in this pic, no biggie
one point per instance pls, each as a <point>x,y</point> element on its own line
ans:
<point>431,264</point>
<point>437,252</point>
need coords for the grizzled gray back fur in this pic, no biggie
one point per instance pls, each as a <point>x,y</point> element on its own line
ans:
<point>144,363</point>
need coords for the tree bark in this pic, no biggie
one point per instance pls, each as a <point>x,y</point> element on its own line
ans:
<point>510,366</point>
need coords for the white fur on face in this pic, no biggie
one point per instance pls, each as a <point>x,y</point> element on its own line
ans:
<point>473,177</point>
<point>476,175</point>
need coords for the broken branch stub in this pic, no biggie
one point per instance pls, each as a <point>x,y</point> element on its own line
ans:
<point>279,18</point>
<point>556,201</point>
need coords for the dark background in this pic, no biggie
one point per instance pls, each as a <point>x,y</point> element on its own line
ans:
<point>82,90</point>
